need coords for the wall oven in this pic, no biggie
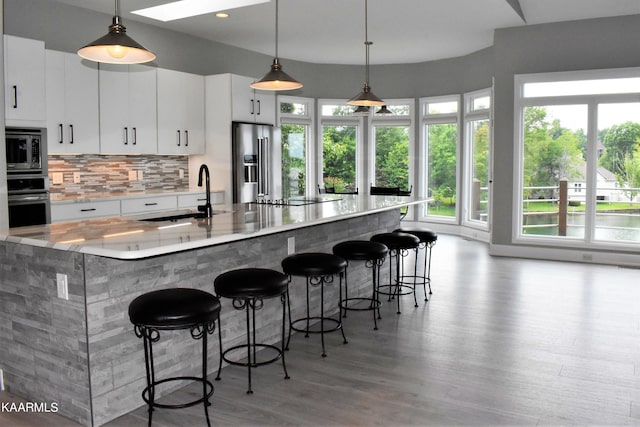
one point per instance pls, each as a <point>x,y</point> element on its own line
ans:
<point>28,200</point>
<point>25,150</point>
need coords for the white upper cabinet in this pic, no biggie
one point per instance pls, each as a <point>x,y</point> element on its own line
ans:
<point>128,109</point>
<point>24,73</point>
<point>180,113</point>
<point>72,104</point>
<point>249,105</point>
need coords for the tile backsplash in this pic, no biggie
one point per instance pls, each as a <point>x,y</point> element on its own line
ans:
<point>93,175</point>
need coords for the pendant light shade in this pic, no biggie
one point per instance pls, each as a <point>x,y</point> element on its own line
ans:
<point>361,111</point>
<point>276,79</point>
<point>366,98</point>
<point>116,47</point>
<point>384,110</point>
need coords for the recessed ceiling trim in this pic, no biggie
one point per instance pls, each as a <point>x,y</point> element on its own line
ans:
<point>186,8</point>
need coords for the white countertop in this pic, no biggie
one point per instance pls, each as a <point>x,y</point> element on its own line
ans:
<point>127,237</point>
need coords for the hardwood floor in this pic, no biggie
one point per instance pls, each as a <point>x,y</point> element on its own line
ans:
<point>501,342</point>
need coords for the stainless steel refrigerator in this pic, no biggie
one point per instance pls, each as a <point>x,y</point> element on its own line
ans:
<point>256,162</point>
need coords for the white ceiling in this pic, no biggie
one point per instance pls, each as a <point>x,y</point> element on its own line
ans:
<point>402,31</point>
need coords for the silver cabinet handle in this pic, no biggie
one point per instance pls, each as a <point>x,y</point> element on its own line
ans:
<point>135,136</point>
<point>126,136</point>
<point>70,134</point>
<point>186,138</point>
<point>61,133</point>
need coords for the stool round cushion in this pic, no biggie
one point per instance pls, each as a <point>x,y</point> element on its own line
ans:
<point>251,283</point>
<point>174,308</point>
<point>313,264</point>
<point>361,250</point>
<point>424,234</point>
<point>396,241</point>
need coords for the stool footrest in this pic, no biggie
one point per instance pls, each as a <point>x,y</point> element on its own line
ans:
<point>337,325</point>
<point>419,280</point>
<point>400,289</point>
<point>145,393</point>
<point>254,364</point>
<point>374,304</point>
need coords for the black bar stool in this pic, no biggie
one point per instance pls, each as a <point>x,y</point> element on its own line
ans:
<point>319,270</point>
<point>399,245</point>
<point>373,254</point>
<point>174,309</point>
<point>428,240</point>
<point>248,287</point>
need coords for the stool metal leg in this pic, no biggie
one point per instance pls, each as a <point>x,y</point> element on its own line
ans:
<point>148,361</point>
<point>219,349</point>
<point>205,397</point>
<point>324,354</point>
<point>344,338</point>
<point>415,277</point>
<point>252,304</point>
<point>284,297</point>
<point>430,246</point>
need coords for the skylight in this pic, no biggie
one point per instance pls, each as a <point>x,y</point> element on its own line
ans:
<point>186,8</point>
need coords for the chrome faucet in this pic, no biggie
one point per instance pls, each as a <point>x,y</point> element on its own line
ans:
<point>206,208</point>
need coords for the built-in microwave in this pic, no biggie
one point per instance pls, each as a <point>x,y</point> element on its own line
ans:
<point>25,150</point>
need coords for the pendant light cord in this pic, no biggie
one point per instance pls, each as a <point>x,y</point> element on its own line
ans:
<point>118,8</point>
<point>276,28</point>
<point>367,43</point>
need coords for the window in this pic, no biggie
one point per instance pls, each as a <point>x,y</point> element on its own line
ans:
<point>392,136</point>
<point>440,136</point>
<point>340,135</point>
<point>579,158</point>
<point>296,120</point>
<point>477,142</point>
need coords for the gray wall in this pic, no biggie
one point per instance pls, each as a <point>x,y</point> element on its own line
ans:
<point>578,45</point>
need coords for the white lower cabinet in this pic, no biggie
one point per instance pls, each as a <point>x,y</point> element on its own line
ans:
<point>148,204</point>
<point>84,210</point>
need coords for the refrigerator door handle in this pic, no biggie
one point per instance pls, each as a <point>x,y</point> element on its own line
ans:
<point>267,161</point>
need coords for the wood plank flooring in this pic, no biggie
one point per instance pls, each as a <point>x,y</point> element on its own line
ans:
<point>501,342</point>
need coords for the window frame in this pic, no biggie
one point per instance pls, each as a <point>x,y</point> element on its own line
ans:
<point>423,168</point>
<point>470,116</point>
<point>352,120</point>
<point>591,101</point>
<point>305,120</point>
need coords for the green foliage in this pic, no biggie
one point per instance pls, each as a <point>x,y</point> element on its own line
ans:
<point>339,156</point>
<point>293,165</point>
<point>551,152</point>
<point>627,171</point>
<point>392,156</point>
<point>619,141</point>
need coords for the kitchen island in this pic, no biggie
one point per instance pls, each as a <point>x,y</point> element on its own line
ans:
<point>79,350</point>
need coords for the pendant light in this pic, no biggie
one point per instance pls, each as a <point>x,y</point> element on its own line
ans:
<point>366,98</point>
<point>383,110</point>
<point>116,47</point>
<point>361,111</point>
<point>276,79</point>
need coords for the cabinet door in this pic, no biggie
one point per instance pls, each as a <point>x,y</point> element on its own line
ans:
<point>128,109</point>
<point>114,108</point>
<point>143,130</point>
<point>56,141</point>
<point>194,117</point>
<point>243,106</point>
<point>180,113</point>
<point>72,104</point>
<point>24,81</point>
<point>265,107</point>
<point>81,104</point>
